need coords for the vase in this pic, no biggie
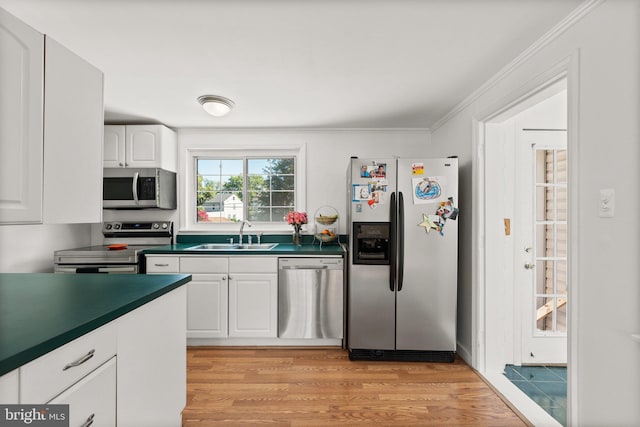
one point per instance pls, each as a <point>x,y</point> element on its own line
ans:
<point>296,238</point>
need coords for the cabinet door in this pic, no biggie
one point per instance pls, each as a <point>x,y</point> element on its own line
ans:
<point>253,305</point>
<point>207,301</point>
<point>143,146</point>
<point>21,122</point>
<point>113,156</point>
<point>151,146</point>
<point>152,362</point>
<point>73,133</point>
<point>10,388</point>
<point>92,400</point>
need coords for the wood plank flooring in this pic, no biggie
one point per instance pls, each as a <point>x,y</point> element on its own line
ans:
<point>321,387</point>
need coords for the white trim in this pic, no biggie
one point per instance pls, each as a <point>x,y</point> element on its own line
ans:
<point>573,148</point>
<point>478,323</point>
<point>574,17</point>
<point>516,397</point>
<point>186,200</point>
<point>464,353</point>
<point>196,130</point>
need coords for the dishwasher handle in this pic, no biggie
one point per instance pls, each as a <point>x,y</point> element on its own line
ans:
<point>304,267</point>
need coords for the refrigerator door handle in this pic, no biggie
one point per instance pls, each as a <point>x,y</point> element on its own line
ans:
<point>392,243</point>
<point>400,239</point>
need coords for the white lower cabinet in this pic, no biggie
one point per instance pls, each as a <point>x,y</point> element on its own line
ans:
<point>92,400</point>
<point>207,296</point>
<point>253,297</point>
<point>253,305</point>
<point>10,387</point>
<point>129,372</point>
<point>235,297</point>
<point>152,362</point>
<point>47,376</point>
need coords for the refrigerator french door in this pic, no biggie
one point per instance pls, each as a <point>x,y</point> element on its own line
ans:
<point>402,293</point>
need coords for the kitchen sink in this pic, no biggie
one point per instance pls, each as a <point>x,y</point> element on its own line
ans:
<point>214,247</point>
<point>258,246</point>
<point>233,247</point>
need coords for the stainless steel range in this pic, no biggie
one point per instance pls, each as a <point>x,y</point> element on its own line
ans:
<point>121,251</point>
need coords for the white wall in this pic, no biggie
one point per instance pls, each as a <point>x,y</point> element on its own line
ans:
<point>30,248</point>
<point>606,43</point>
<point>327,154</point>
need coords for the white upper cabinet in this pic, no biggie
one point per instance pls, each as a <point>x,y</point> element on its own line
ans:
<point>73,132</point>
<point>51,130</point>
<point>113,156</point>
<point>140,146</point>
<point>21,121</point>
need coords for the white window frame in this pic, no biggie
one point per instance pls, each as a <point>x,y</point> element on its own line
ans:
<point>188,218</point>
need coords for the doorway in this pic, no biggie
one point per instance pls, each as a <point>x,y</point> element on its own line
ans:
<point>523,301</point>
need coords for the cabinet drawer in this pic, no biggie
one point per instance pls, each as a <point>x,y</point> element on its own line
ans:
<point>203,264</point>
<point>92,401</point>
<point>48,375</point>
<point>162,264</point>
<point>245,264</point>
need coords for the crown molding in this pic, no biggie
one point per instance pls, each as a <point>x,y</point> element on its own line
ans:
<point>295,129</point>
<point>574,17</point>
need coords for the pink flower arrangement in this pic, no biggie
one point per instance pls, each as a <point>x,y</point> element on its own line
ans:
<point>296,219</point>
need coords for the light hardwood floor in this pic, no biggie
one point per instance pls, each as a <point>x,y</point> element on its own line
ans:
<point>292,387</point>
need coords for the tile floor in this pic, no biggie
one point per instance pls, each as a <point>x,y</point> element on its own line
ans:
<point>545,385</point>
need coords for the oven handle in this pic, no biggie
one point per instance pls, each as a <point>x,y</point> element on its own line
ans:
<point>133,269</point>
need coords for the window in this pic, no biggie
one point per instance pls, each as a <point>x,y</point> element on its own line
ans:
<point>551,240</point>
<point>260,189</point>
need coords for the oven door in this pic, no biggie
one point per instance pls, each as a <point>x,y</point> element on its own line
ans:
<point>104,269</point>
<point>129,188</point>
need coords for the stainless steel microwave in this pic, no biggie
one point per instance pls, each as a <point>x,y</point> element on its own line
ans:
<point>138,188</point>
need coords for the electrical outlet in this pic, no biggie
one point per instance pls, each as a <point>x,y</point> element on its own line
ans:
<point>606,207</point>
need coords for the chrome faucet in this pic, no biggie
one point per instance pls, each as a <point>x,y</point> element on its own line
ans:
<point>242,223</point>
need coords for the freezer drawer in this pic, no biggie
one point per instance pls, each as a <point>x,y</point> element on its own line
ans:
<point>310,298</point>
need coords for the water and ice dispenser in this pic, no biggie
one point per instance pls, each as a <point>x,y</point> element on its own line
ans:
<point>371,243</point>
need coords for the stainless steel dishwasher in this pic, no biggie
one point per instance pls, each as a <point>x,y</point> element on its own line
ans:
<point>310,298</point>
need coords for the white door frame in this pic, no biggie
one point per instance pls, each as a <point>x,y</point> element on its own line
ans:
<point>485,357</point>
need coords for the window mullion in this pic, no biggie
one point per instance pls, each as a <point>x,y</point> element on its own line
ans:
<point>245,187</point>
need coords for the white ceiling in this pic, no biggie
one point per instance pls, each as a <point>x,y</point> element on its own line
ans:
<point>288,63</point>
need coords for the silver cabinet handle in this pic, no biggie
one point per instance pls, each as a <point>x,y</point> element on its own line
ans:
<point>161,265</point>
<point>79,361</point>
<point>89,421</point>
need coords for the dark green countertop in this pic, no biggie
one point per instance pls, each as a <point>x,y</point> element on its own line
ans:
<point>41,312</point>
<point>282,249</point>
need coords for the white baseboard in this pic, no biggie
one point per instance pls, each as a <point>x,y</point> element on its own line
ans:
<point>464,354</point>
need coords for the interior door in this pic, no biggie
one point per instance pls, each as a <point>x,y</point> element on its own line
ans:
<point>541,245</point>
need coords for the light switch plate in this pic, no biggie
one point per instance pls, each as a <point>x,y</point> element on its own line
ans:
<point>606,207</point>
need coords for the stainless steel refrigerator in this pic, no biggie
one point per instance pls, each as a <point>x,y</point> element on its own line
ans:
<point>402,291</point>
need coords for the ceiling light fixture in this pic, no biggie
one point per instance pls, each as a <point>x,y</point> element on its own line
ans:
<point>215,105</point>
